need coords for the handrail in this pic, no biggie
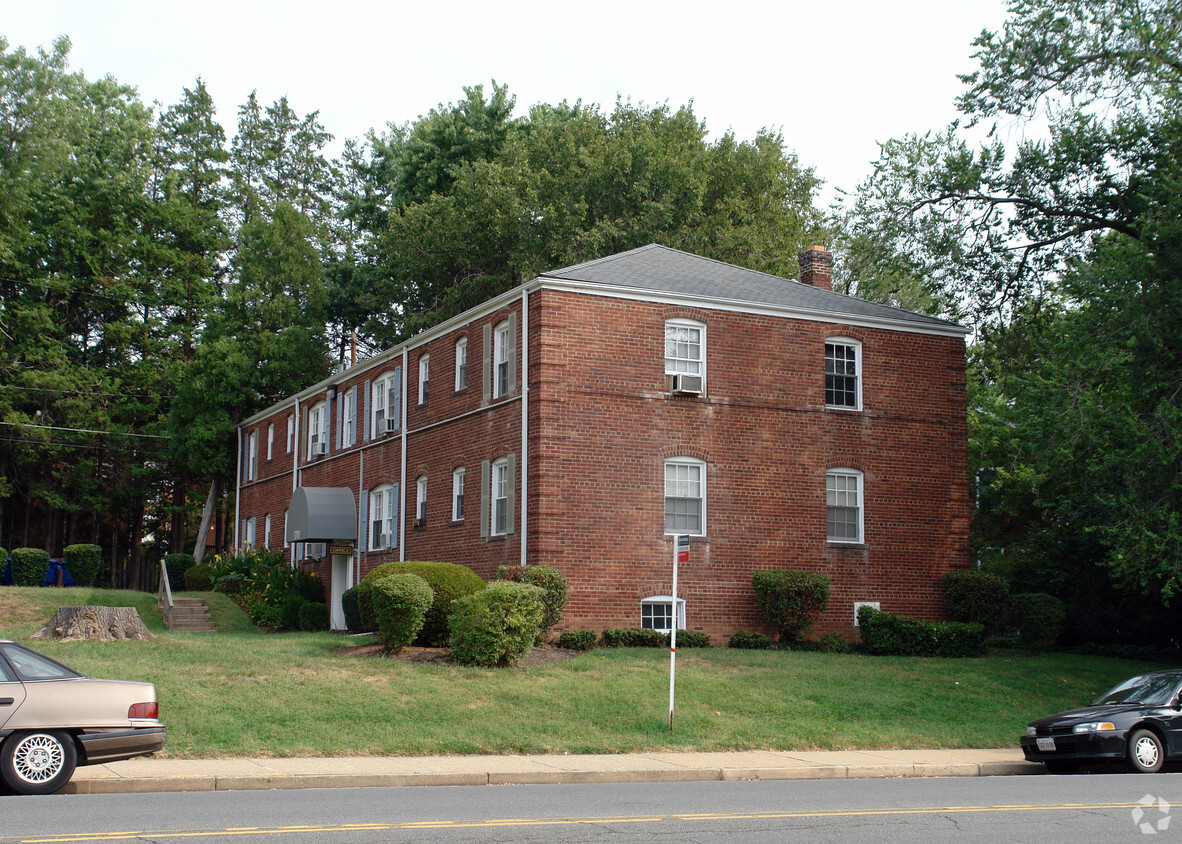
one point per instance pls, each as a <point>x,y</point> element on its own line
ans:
<point>164,594</point>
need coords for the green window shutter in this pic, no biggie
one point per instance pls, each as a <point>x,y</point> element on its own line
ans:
<point>486,364</point>
<point>395,515</point>
<point>511,352</point>
<point>482,500</point>
<point>511,508</point>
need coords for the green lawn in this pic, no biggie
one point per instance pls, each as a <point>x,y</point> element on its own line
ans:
<point>243,693</point>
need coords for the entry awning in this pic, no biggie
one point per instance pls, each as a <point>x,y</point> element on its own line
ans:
<point>321,514</point>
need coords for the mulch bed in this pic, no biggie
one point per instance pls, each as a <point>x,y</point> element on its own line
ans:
<point>543,655</point>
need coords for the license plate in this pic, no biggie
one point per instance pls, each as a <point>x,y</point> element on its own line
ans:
<point>1046,743</point>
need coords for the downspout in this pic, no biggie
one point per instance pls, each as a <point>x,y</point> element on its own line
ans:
<point>402,482</point>
<point>524,421</point>
<point>295,469</point>
<point>361,525</point>
<point>238,492</point>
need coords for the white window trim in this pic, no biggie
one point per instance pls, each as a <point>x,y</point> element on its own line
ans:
<point>664,599</point>
<point>421,499</point>
<point>701,328</point>
<point>252,455</point>
<point>457,494</point>
<point>349,422</point>
<point>684,461</point>
<point>383,494</point>
<point>270,440</point>
<point>319,414</point>
<point>461,363</point>
<point>499,471</point>
<point>267,532</point>
<point>248,541</point>
<point>861,492</point>
<point>424,378</point>
<point>381,400</point>
<point>501,340</point>
<point>859,364</point>
<point>290,432</point>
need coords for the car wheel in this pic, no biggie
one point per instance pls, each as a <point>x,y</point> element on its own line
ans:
<point>37,762</point>
<point>1146,754</point>
<point>1061,766</point>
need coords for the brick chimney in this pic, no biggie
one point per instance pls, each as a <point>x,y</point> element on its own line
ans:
<point>816,267</point>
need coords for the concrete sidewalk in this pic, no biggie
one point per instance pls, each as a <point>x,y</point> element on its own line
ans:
<point>144,775</point>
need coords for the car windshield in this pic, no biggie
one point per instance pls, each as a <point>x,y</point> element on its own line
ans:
<point>30,665</point>
<point>1148,689</point>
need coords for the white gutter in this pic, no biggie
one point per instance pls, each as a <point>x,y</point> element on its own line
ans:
<point>238,490</point>
<point>402,483</point>
<point>524,421</point>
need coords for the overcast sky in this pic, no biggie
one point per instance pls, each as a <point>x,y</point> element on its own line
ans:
<point>834,77</point>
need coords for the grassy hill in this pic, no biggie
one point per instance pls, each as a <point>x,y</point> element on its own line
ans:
<point>240,692</point>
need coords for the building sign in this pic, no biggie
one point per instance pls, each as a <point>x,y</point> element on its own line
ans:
<point>346,550</point>
<point>683,548</point>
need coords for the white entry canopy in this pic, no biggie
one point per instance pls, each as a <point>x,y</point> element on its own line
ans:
<point>321,514</point>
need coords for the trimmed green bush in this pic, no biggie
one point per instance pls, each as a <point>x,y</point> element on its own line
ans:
<point>577,640</point>
<point>750,640</point>
<point>790,600</point>
<point>352,610</point>
<point>176,565</point>
<point>976,596</point>
<point>228,584</point>
<point>633,637</point>
<point>199,578</point>
<point>1039,618</point>
<point>888,634</point>
<point>497,625</point>
<point>289,610</point>
<point>833,643</point>
<point>83,561</point>
<point>313,616</point>
<point>29,566</point>
<point>369,621</point>
<point>400,603</point>
<point>447,580</point>
<point>690,639</point>
<point>547,578</point>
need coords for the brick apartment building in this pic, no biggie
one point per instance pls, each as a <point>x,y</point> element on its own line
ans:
<point>585,418</point>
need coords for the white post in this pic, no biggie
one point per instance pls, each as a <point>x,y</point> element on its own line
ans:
<point>673,631</point>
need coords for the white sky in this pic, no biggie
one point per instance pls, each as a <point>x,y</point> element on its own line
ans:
<point>834,77</point>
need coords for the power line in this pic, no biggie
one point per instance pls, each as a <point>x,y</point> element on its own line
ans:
<point>60,444</point>
<point>84,431</point>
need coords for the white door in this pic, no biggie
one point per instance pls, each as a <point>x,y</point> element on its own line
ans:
<point>341,575</point>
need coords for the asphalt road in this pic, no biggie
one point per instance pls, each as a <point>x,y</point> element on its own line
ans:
<point>1047,810</point>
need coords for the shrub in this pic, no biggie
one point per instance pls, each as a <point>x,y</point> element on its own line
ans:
<point>888,634</point>
<point>369,621</point>
<point>976,596</point>
<point>750,640</point>
<point>289,611</point>
<point>352,610</point>
<point>313,616</point>
<point>176,565</point>
<point>83,562</point>
<point>790,600</point>
<point>447,580</point>
<point>634,637</point>
<point>691,639</point>
<point>553,585</point>
<point>833,643</point>
<point>400,604</point>
<point>29,566</point>
<point>229,584</point>
<point>1039,618</point>
<point>577,640</point>
<point>199,578</point>
<point>497,625</point>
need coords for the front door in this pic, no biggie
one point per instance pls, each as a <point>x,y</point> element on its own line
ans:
<point>342,570</point>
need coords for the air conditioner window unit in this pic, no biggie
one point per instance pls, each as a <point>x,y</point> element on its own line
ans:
<point>687,385</point>
<point>383,540</point>
<point>320,448</point>
<point>391,425</point>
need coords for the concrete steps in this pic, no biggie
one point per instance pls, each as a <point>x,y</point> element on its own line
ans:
<point>189,615</point>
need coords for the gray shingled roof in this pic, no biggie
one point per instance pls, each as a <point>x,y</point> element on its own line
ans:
<point>661,269</point>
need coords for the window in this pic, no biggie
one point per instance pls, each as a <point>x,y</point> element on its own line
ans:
<point>461,363</point>
<point>656,613</point>
<point>248,534</point>
<point>424,377</point>
<point>500,359</point>
<point>685,347</point>
<point>685,496</point>
<point>843,505</point>
<point>498,479</point>
<point>843,382</point>
<point>290,433</point>
<point>270,440</point>
<point>250,457</point>
<point>387,396</point>
<point>267,532</point>
<point>349,419</point>
<point>421,499</point>
<point>457,495</point>
<point>285,542</point>
<point>381,517</point>
<point>318,431</point>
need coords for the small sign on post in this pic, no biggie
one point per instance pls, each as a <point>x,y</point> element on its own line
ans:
<point>681,545</point>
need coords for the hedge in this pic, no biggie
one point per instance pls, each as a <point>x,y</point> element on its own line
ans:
<point>750,640</point>
<point>314,616</point>
<point>199,578</point>
<point>1040,620</point>
<point>29,566</point>
<point>447,580</point>
<point>550,580</point>
<point>888,634</point>
<point>497,625</point>
<point>176,565</point>
<point>577,640</point>
<point>83,561</point>
<point>790,600</point>
<point>400,604</point>
<point>976,596</point>
<point>352,610</point>
<point>634,637</point>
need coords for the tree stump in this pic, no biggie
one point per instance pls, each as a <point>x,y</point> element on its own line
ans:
<point>106,623</point>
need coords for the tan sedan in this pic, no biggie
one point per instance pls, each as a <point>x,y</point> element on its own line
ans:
<point>53,719</point>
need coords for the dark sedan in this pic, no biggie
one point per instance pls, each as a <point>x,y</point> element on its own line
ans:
<point>1138,722</point>
<point>52,719</point>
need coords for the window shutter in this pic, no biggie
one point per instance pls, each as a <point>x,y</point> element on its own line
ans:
<point>395,412</point>
<point>242,536</point>
<point>366,402</point>
<point>395,521</point>
<point>363,533</point>
<point>485,491</point>
<point>511,353</point>
<point>341,420</point>
<point>511,509</point>
<point>486,365</point>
